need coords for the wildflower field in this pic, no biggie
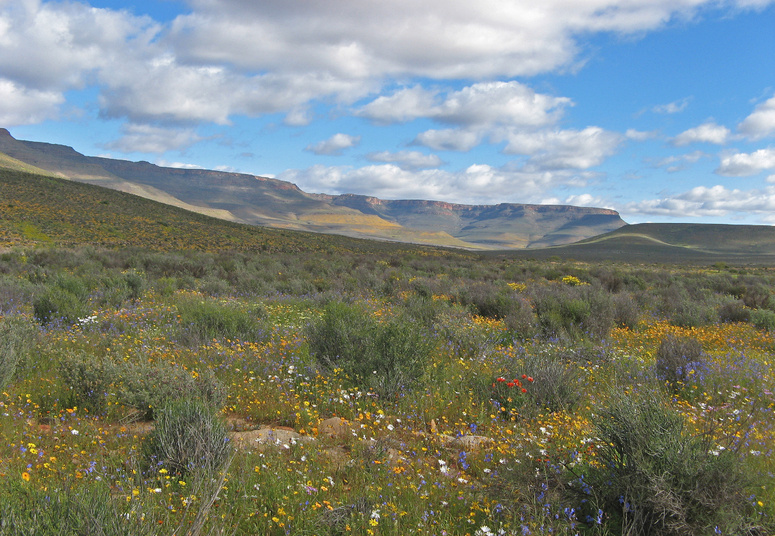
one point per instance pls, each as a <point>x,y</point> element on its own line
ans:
<point>390,392</point>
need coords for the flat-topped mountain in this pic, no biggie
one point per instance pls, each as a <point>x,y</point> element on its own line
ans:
<point>270,202</point>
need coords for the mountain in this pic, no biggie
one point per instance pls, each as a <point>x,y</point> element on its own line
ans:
<point>270,202</point>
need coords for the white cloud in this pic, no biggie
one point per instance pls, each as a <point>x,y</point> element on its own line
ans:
<point>482,105</point>
<point>21,106</point>
<point>451,139</point>
<point>586,200</point>
<point>672,107</point>
<point>407,160</point>
<point>636,135</point>
<point>334,145</point>
<point>705,133</point>
<point>761,123</point>
<point>559,149</point>
<point>151,139</point>
<point>746,164</point>
<point>676,163</point>
<point>714,201</point>
<point>476,184</point>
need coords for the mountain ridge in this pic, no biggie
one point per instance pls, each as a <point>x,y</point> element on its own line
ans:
<point>265,201</point>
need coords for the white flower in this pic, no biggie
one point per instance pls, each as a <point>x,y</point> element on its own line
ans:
<point>74,431</point>
<point>390,427</point>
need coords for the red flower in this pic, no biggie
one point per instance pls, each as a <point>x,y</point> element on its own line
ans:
<point>524,390</point>
<point>524,376</point>
<point>510,384</point>
<point>530,378</point>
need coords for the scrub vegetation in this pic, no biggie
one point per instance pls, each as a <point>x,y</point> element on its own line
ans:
<point>474,394</point>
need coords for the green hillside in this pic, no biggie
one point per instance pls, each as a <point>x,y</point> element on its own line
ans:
<point>46,210</point>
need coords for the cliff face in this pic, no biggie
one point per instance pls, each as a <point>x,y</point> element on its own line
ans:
<point>264,201</point>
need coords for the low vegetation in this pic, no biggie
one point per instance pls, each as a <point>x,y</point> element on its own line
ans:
<point>475,395</point>
<point>278,383</point>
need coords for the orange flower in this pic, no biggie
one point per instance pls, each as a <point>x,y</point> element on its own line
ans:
<point>26,476</point>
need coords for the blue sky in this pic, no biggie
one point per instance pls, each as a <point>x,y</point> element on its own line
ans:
<point>662,110</point>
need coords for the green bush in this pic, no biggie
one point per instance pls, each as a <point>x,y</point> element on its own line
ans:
<point>17,337</point>
<point>189,435</point>
<point>87,379</point>
<point>205,319</point>
<point>555,385</point>
<point>655,477</point>
<point>56,303</point>
<point>677,359</point>
<point>147,387</point>
<point>385,357</point>
<point>763,319</point>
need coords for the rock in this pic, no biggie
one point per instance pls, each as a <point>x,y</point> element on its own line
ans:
<point>268,436</point>
<point>335,428</point>
<point>471,442</point>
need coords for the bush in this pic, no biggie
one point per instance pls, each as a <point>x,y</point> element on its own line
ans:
<point>147,387</point>
<point>188,436</point>
<point>385,357</point>
<point>17,337</point>
<point>734,311</point>
<point>677,359</point>
<point>56,303</point>
<point>763,319</point>
<point>87,379</point>
<point>205,319</point>
<point>555,385</point>
<point>654,477</point>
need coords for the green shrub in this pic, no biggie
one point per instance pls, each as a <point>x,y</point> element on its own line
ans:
<point>763,319</point>
<point>17,337</point>
<point>56,303</point>
<point>382,356</point>
<point>205,319</point>
<point>555,385</point>
<point>147,387</point>
<point>655,477</point>
<point>87,379</point>
<point>188,436</point>
<point>677,359</point>
<point>734,311</point>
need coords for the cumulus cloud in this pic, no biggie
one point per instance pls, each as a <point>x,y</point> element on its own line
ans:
<point>479,105</point>
<point>746,164</point>
<point>705,133</point>
<point>152,139</point>
<point>334,145</point>
<point>407,160</point>
<point>559,149</point>
<point>761,123</point>
<point>451,139</point>
<point>714,201</point>
<point>478,183</point>
<point>21,106</point>
<point>230,57</point>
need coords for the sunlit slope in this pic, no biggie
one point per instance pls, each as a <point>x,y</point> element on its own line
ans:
<point>36,210</point>
<point>265,201</point>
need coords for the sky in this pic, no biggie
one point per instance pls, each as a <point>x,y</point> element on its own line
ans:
<point>663,110</point>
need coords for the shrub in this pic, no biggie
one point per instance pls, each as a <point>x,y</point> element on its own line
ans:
<point>56,303</point>
<point>555,385</point>
<point>677,359</point>
<point>385,357</point>
<point>654,477</point>
<point>189,435</point>
<point>734,311</point>
<point>763,319</point>
<point>147,387</point>
<point>87,379</point>
<point>205,319</point>
<point>17,337</point>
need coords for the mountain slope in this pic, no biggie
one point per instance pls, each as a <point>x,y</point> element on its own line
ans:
<point>671,243</point>
<point>263,201</point>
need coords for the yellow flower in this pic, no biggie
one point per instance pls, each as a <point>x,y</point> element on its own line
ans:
<point>26,476</point>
